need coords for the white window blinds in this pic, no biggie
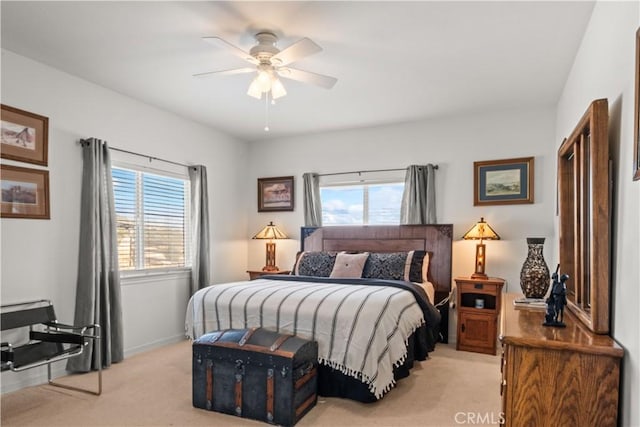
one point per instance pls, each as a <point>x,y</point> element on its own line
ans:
<point>152,213</point>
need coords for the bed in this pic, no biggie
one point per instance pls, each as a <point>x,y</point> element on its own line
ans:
<point>371,327</point>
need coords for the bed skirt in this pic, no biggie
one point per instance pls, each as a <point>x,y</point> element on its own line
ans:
<point>333,383</point>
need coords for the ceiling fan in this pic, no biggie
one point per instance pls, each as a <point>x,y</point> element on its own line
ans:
<point>269,63</point>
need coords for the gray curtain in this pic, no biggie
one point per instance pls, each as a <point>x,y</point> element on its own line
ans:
<point>199,228</point>
<point>419,197</point>
<point>98,286</point>
<point>312,204</point>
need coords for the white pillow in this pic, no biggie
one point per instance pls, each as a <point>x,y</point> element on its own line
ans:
<point>349,265</point>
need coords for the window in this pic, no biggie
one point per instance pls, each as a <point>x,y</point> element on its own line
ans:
<point>373,204</point>
<point>152,214</point>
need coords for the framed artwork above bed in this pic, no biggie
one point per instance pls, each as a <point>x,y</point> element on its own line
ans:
<point>275,194</point>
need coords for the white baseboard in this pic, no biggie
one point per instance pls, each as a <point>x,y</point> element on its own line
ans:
<point>153,345</point>
<point>13,381</point>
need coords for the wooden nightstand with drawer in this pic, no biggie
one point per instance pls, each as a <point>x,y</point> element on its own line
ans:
<point>478,303</point>
<point>256,274</point>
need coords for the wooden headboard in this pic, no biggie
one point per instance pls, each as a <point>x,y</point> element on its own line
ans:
<point>436,239</point>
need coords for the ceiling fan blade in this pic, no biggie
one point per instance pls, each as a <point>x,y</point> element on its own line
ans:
<point>321,80</point>
<point>296,51</point>
<point>226,72</point>
<point>218,42</point>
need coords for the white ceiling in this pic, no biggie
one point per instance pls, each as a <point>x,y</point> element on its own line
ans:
<point>395,61</point>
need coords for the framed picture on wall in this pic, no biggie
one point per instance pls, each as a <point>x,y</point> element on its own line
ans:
<point>25,136</point>
<point>275,194</point>
<point>503,182</point>
<point>636,133</point>
<point>25,192</point>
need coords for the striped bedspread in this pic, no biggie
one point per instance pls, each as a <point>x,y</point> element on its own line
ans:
<point>361,330</point>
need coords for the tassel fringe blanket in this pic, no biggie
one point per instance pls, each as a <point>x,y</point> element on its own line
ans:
<point>361,330</point>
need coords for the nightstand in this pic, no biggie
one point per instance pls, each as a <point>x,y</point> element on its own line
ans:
<point>478,303</point>
<point>256,274</point>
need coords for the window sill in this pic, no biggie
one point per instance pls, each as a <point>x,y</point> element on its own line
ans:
<point>134,277</point>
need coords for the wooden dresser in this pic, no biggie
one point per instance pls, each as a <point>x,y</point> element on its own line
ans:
<point>556,376</point>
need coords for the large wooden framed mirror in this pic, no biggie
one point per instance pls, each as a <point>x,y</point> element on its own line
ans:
<point>583,195</point>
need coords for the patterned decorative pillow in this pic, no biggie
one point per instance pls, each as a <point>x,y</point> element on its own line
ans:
<point>388,266</point>
<point>317,264</point>
<point>349,265</point>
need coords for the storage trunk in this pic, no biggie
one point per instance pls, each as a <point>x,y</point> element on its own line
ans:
<point>255,373</point>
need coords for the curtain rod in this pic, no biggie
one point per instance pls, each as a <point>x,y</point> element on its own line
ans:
<point>367,171</point>
<point>149,157</point>
<point>82,141</point>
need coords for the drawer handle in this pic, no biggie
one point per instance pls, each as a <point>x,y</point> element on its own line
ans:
<point>462,328</point>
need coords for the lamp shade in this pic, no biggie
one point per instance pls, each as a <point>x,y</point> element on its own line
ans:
<point>270,232</point>
<point>481,231</point>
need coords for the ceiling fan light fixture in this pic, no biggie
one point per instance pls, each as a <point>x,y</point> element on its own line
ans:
<point>264,80</point>
<point>255,89</point>
<point>277,89</point>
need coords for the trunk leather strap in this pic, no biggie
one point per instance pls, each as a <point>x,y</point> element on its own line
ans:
<point>246,337</point>
<point>303,380</point>
<point>270,394</point>
<point>238,387</point>
<point>217,337</point>
<point>281,339</point>
<point>209,391</point>
<point>303,407</point>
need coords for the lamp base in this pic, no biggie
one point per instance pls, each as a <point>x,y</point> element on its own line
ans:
<point>271,258</point>
<point>479,274</point>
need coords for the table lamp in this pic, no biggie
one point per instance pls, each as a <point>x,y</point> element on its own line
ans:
<point>270,232</point>
<point>481,231</point>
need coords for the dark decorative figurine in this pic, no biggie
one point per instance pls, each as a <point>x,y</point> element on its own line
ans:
<point>556,301</point>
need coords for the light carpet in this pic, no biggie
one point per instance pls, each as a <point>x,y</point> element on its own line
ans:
<point>154,389</point>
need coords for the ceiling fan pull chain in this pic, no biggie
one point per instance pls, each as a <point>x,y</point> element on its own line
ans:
<point>266,111</point>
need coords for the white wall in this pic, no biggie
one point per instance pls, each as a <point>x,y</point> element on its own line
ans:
<point>604,68</point>
<point>454,144</point>
<point>39,257</point>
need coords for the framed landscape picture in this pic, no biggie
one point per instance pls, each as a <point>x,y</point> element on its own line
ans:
<point>25,192</point>
<point>503,182</point>
<point>275,194</point>
<point>24,136</point>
